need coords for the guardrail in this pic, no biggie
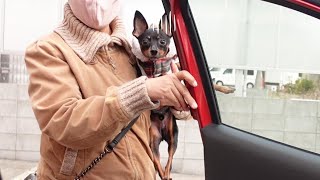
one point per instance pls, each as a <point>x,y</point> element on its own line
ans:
<point>13,69</point>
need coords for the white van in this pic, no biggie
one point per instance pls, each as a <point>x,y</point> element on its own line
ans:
<point>227,77</point>
<point>214,72</point>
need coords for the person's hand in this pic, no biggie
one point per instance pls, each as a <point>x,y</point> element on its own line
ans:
<point>170,91</point>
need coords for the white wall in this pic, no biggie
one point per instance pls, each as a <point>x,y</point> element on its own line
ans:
<point>27,20</point>
<point>152,11</point>
<point>277,119</point>
<point>1,23</point>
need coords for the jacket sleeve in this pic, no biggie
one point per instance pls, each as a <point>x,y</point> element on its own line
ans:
<point>61,111</point>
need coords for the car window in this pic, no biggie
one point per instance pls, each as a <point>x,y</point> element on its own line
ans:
<point>250,72</point>
<point>275,54</point>
<point>214,69</point>
<point>228,71</point>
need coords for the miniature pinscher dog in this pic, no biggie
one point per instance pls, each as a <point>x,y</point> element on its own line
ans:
<point>154,47</point>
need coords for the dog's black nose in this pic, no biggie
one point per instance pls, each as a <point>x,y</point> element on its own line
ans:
<point>153,52</point>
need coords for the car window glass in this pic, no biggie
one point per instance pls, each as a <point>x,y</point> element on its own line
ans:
<point>215,69</point>
<point>227,71</point>
<point>274,52</point>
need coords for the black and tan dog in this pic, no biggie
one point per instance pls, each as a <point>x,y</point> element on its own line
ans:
<point>154,61</point>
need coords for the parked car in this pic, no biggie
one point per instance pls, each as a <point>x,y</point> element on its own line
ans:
<point>228,77</point>
<point>230,153</point>
<point>214,72</point>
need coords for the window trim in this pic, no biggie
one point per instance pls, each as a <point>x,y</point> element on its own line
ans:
<point>302,6</point>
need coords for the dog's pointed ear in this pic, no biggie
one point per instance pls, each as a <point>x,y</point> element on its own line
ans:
<point>139,24</point>
<point>164,24</point>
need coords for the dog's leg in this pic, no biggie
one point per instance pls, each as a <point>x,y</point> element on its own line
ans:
<point>155,142</point>
<point>224,89</point>
<point>172,145</point>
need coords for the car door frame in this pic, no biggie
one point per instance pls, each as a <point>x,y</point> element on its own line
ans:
<point>231,153</point>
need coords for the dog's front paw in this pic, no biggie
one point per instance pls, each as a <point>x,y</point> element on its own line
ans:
<point>166,178</point>
<point>185,115</point>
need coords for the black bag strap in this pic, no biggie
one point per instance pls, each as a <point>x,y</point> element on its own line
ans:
<point>108,148</point>
<point>123,132</point>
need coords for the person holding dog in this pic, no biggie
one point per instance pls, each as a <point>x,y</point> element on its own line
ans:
<point>84,90</point>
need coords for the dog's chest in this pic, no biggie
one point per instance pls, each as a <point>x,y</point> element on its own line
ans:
<point>157,67</point>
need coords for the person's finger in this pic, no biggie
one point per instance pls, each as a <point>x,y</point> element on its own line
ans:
<point>185,94</point>
<point>176,102</point>
<point>171,100</point>
<point>185,75</point>
<point>174,67</point>
<point>179,97</point>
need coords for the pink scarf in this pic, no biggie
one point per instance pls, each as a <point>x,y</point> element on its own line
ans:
<point>86,41</point>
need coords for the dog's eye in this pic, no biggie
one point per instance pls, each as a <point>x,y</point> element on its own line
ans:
<point>163,42</point>
<point>145,42</point>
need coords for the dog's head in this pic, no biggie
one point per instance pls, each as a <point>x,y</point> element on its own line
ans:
<point>154,41</point>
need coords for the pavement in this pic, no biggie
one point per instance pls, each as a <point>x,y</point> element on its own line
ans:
<point>11,169</point>
<point>18,170</point>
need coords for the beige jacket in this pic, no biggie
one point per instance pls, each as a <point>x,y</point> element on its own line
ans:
<point>83,93</point>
